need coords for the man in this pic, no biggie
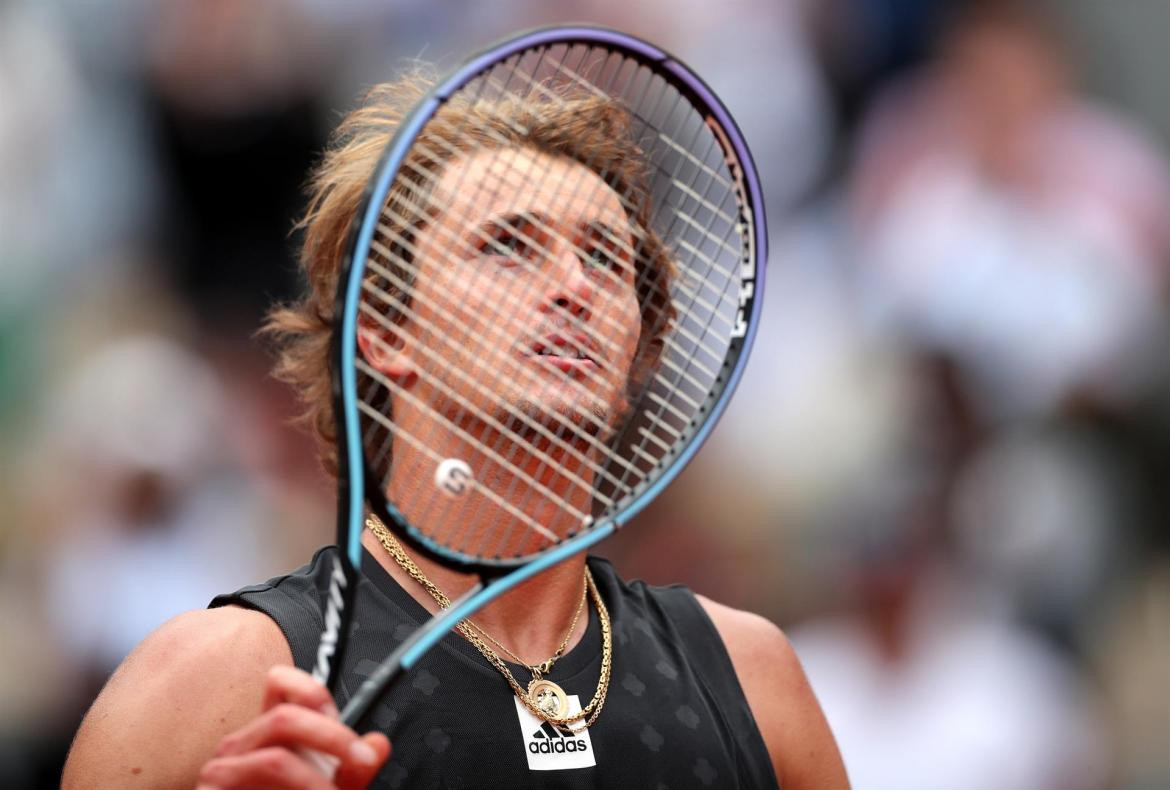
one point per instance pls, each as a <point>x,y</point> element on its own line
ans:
<point>513,318</point>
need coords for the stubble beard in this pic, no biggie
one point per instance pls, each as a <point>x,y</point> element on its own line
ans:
<point>569,421</point>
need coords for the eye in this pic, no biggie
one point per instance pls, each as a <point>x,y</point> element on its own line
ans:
<point>600,258</point>
<point>508,245</point>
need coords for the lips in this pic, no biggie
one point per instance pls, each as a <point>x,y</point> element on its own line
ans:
<point>566,352</point>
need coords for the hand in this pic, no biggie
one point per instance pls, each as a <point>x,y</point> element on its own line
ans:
<point>271,751</point>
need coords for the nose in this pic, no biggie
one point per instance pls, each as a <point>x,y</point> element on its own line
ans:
<point>571,289</point>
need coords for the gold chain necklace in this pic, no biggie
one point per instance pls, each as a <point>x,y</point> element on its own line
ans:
<point>543,698</point>
<point>537,670</point>
<point>400,556</point>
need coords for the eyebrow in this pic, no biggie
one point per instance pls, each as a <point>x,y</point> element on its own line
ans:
<point>516,221</point>
<point>623,241</point>
<point>513,221</point>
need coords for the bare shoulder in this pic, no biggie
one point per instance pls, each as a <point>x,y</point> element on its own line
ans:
<point>794,729</point>
<point>198,677</point>
<point>751,640</point>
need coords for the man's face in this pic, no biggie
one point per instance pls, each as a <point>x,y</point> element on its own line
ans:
<point>525,286</point>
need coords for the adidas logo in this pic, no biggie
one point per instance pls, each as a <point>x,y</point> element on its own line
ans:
<point>549,740</point>
<point>549,749</point>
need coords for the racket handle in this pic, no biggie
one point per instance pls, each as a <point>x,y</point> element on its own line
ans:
<point>326,764</point>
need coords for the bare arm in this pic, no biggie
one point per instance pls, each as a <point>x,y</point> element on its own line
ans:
<point>192,681</point>
<point>212,696</point>
<point>794,729</point>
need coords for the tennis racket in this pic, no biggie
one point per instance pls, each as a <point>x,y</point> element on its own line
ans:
<point>549,295</point>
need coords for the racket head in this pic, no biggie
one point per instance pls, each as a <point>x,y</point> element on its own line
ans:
<point>690,231</point>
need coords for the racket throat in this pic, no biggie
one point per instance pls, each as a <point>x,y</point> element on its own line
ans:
<point>338,601</point>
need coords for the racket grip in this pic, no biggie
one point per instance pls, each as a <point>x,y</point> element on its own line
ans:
<point>326,764</point>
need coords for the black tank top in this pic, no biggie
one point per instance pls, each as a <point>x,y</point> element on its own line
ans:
<point>675,715</point>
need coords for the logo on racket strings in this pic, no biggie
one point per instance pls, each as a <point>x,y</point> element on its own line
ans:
<point>453,477</point>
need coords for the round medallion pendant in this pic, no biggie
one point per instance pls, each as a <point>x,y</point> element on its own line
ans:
<point>548,698</point>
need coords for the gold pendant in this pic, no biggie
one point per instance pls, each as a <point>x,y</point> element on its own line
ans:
<point>548,698</point>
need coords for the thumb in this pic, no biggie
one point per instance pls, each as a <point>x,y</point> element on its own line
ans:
<point>356,774</point>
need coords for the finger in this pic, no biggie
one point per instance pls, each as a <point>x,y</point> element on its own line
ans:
<point>289,684</point>
<point>353,775</point>
<point>297,728</point>
<point>272,767</point>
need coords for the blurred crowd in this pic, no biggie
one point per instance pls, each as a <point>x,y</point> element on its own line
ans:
<point>946,467</point>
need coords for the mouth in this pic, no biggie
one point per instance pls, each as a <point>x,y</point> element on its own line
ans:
<point>568,353</point>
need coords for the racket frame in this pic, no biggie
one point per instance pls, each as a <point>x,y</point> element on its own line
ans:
<point>497,575</point>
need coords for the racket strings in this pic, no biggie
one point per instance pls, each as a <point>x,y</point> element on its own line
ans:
<point>472,378</point>
<point>399,284</point>
<point>700,165</point>
<point>559,442</point>
<point>579,80</point>
<point>696,299</point>
<point>544,459</point>
<point>643,431</point>
<point>706,245</point>
<point>390,238</point>
<point>381,245</point>
<point>630,205</point>
<point>402,285</point>
<point>496,499</point>
<point>687,361</point>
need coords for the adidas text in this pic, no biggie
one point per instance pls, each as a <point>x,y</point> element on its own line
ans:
<point>558,747</point>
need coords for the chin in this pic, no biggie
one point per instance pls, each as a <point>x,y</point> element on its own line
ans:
<point>567,418</point>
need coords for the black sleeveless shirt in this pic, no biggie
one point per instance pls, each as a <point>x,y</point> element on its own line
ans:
<point>675,715</point>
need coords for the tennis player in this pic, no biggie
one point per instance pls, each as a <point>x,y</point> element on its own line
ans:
<point>575,678</point>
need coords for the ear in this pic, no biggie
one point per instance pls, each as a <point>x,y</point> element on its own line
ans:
<point>386,351</point>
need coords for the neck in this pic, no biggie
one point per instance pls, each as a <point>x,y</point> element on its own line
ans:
<point>512,508</point>
<point>530,619</point>
<point>519,500</point>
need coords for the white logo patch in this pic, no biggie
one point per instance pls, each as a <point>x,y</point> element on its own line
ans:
<point>548,748</point>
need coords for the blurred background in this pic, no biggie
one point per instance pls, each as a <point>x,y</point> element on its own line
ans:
<point>946,473</point>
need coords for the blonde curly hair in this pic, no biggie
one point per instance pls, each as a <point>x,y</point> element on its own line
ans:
<point>593,131</point>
